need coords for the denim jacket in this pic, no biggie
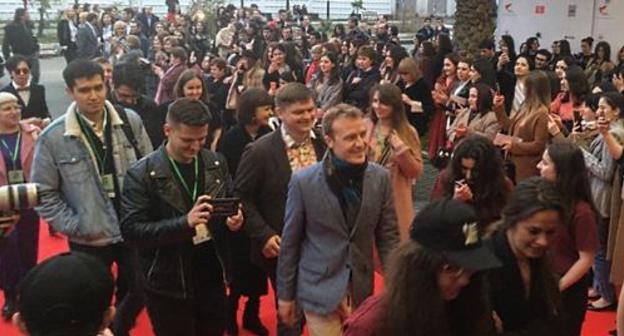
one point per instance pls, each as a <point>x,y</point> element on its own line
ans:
<point>73,199</point>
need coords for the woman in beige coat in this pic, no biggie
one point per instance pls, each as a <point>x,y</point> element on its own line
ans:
<point>396,145</point>
<point>527,129</point>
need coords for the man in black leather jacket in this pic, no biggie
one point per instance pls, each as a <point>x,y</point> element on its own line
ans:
<point>179,238</point>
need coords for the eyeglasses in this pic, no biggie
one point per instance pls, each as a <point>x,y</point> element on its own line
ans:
<point>22,71</point>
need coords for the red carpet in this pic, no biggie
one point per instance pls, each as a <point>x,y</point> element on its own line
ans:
<point>596,324</point>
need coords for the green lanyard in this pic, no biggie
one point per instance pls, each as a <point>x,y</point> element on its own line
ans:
<point>92,143</point>
<point>176,170</point>
<point>13,155</point>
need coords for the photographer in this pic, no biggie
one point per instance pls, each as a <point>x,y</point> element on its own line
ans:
<point>20,251</point>
<point>168,215</point>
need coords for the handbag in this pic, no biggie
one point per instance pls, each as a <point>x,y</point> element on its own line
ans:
<point>443,156</point>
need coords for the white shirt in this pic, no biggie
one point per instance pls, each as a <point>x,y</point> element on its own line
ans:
<point>24,94</point>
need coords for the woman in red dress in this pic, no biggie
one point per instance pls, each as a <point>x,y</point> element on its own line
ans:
<point>441,93</point>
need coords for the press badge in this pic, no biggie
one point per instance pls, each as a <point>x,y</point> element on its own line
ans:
<point>109,185</point>
<point>202,234</point>
<point>16,176</point>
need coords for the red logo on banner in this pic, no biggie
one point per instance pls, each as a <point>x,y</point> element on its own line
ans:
<point>540,9</point>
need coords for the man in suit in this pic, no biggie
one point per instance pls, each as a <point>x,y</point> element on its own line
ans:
<point>264,172</point>
<point>87,39</point>
<point>335,210</point>
<point>66,32</point>
<point>19,39</point>
<point>148,20</point>
<point>31,96</point>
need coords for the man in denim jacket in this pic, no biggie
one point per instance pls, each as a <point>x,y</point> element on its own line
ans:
<point>80,162</point>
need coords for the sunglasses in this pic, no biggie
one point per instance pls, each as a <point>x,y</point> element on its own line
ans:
<point>22,71</point>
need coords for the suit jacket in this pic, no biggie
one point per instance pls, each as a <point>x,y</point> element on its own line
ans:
<point>320,257</point>
<point>63,33</point>
<point>148,30</point>
<point>87,43</point>
<point>262,184</point>
<point>19,39</point>
<point>37,105</point>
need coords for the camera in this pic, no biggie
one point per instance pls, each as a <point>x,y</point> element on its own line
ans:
<point>19,196</point>
<point>15,197</point>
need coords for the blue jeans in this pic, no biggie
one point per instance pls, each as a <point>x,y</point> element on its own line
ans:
<point>602,266</point>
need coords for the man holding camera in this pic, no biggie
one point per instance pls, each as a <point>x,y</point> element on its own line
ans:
<point>176,213</point>
<point>80,163</point>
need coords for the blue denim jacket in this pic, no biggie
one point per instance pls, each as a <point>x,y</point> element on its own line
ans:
<point>73,200</point>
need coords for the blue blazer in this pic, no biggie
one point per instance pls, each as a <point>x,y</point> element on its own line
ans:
<point>319,254</point>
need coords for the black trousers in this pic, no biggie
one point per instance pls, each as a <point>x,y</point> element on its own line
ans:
<point>574,307</point>
<point>203,315</point>
<point>282,329</point>
<point>129,298</point>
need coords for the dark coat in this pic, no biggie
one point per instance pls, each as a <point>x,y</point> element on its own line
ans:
<point>153,118</point>
<point>147,29</point>
<point>262,184</point>
<point>19,39</point>
<point>419,91</point>
<point>508,296</point>
<point>87,43</point>
<point>358,94</point>
<point>154,220</point>
<point>37,105</point>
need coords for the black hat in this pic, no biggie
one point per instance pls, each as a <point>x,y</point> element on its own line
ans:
<point>450,227</point>
<point>66,292</point>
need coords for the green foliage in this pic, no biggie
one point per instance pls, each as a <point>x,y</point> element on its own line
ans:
<point>208,10</point>
<point>358,5</point>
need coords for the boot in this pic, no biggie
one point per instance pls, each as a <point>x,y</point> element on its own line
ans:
<point>251,321</point>
<point>231,325</point>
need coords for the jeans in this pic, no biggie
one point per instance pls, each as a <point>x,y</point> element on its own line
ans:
<point>129,297</point>
<point>20,253</point>
<point>602,265</point>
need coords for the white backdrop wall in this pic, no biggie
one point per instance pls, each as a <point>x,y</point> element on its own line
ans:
<point>558,19</point>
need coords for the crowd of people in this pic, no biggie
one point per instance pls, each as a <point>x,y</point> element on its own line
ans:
<point>205,166</point>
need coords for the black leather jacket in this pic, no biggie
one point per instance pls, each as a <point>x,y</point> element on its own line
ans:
<point>154,220</point>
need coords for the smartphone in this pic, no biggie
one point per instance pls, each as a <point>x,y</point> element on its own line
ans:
<point>578,121</point>
<point>460,183</point>
<point>144,60</point>
<point>224,207</point>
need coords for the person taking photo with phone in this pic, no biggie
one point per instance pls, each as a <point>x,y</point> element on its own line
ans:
<point>168,216</point>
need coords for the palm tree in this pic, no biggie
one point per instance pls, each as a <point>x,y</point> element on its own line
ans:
<point>475,20</point>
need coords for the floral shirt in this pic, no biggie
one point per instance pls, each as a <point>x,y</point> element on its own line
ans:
<point>300,155</point>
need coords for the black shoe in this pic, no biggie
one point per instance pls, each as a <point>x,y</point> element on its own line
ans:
<point>231,324</point>
<point>8,309</point>
<point>251,321</point>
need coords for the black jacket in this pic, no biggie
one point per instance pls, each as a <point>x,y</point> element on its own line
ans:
<point>419,91</point>
<point>37,105</point>
<point>521,316</point>
<point>19,39</point>
<point>262,184</point>
<point>153,118</point>
<point>357,94</point>
<point>154,220</point>
<point>63,33</point>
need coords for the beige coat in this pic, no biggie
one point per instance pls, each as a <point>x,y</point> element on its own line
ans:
<point>405,166</point>
<point>486,125</point>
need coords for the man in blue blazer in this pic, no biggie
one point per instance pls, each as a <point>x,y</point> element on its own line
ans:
<point>335,211</point>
